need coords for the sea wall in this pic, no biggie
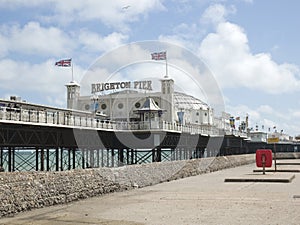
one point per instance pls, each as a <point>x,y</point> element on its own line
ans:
<point>21,191</point>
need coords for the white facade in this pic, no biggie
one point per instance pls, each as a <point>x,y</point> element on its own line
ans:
<point>122,105</point>
<point>258,136</point>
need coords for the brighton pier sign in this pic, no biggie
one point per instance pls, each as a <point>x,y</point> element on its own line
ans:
<point>143,85</point>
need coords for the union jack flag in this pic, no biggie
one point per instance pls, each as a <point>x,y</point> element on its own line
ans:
<point>64,63</point>
<point>159,56</point>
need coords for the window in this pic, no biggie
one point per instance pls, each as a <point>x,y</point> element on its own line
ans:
<point>103,106</point>
<point>87,107</point>
<point>137,105</point>
<point>120,105</point>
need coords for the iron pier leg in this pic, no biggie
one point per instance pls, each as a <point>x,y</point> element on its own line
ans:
<point>13,159</point>
<point>172,154</point>
<point>87,161</point>
<point>98,157</point>
<point>82,158</point>
<point>1,158</point>
<point>135,156</point>
<point>132,156</point>
<point>37,159</point>
<point>9,160</point>
<point>57,159</point>
<point>127,156</point>
<point>48,159</point>
<point>102,157</point>
<point>158,154</point>
<point>107,157</point>
<point>121,157</point>
<point>113,158</point>
<point>69,158</point>
<point>42,159</point>
<point>61,159</point>
<point>74,157</point>
<point>154,155</point>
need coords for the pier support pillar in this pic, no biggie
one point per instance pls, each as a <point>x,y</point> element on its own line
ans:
<point>61,159</point>
<point>36,159</point>
<point>106,163</point>
<point>74,158</point>
<point>48,159</point>
<point>57,159</point>
<point>83,158</point>
<point>120,157</point>
<point>113,158</point>
<point>98,157</point>
<point>102,157</point>
<point>42,160</point>
<point>1,159</point>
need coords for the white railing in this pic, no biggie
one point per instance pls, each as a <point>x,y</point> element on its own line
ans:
<point>53,118</point>
<point>66,118</point>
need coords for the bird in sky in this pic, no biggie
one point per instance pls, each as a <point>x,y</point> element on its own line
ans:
<point>126,7</point>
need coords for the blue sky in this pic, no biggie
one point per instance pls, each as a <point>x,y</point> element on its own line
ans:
<point>251,47</point>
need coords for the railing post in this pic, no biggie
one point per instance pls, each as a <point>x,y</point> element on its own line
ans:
<point>20,117</point>
<point>10,114</point>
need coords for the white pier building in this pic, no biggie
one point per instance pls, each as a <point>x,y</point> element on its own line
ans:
<point>135,105</point>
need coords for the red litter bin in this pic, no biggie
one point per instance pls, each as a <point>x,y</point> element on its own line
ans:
<point>264,158</point>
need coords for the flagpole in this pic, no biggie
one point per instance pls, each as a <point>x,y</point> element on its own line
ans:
<point>166,66</point>
<point>72,71</point>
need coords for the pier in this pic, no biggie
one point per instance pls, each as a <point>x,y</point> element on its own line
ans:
<point>42,138</point>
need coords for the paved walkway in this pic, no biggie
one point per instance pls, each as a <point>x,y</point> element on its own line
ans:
<point>203,199</point>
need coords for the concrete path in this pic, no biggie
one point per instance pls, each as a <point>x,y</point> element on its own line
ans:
<point>203,199</point>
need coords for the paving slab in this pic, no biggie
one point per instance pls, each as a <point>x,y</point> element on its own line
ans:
<point>288,163</point>
<point>259,177</point>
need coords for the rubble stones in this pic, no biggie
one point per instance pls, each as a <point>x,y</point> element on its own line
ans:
<point>21,191</point>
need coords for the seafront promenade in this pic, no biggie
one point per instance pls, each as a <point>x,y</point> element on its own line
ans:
<point>201,199</point>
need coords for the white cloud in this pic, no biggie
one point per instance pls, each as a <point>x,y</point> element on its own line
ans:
<point>228,54</point>
<point>94,42</point>
<point>217,13</point>
<point>33,39</point>
<point>296,114</point>
<point>247,1</point>
<point>111,13</point>
<point>187,35</point>
<point>265,109</point>
<point>8,4</point>
<point>45,80</point>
